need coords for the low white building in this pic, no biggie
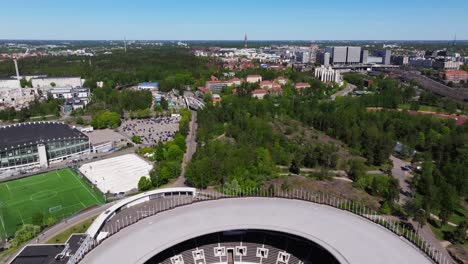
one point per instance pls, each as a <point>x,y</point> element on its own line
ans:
<point>259,93</point>
<point>70,92</point>
<point>254,78</point>
<point>57,82</point>
<point>447,65</point>
<point>148,86</point>
<point>9,83</point>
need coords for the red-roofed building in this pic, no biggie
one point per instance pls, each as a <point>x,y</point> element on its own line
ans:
<point>456,75</point>
<point>254,78</point>
<point>259,93</point>
<point>235,81</point>
<point>204,90</point>
<point>276,89</point>
<point>299,86</point>
<point>281,80</point>
<point>266,84</point>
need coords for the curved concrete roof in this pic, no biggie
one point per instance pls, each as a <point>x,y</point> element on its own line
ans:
<point>95,227</point>
<point>350,238</point>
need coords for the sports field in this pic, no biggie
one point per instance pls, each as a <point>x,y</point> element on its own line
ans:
<point>55,194</point>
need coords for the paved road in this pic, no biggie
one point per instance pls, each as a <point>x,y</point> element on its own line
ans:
<point>191,148</point>
<point>403,178</point>
<point>350,238</point>
<point>349,88</point>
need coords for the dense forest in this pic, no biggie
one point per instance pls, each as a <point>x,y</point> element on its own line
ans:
<point>172,67</point>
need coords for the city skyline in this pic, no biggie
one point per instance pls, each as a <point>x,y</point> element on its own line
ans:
<point>214,20</point>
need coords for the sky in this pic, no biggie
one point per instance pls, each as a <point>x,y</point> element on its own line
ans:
<point>230,20</point>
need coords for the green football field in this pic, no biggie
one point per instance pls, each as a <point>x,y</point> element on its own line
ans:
<point>55,194</point>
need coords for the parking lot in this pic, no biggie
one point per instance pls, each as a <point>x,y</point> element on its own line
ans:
<point>152,130</point>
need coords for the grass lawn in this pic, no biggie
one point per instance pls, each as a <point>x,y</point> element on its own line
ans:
<point>422,108</point>
<point>439,232</point>
<point>56,194</point>
<point>65,235</point>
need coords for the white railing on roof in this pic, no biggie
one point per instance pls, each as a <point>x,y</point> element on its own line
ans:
<point>96,226</point>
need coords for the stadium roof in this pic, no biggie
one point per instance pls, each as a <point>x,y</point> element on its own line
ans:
<point>349,238</point>
<point>32,133</point>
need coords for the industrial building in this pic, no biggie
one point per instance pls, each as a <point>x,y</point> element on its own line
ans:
<point>37,144</point>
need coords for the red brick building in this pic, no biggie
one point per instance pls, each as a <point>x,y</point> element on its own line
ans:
<point>456,76</point>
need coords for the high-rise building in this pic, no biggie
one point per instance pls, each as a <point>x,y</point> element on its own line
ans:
<point>353,55</point>
<point>326,59</point>
<point>313,53</point>
<point>387,55</point>
<point>338,54</point>
<point>345,55</point>
<point>245,40</point>
<point>364,56</point>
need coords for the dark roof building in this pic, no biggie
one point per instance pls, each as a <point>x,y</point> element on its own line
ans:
<point>33,144</point>
<point>33,133</point>
<point>49,254</point>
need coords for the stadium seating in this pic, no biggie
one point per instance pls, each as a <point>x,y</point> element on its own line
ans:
<point>278,248</point>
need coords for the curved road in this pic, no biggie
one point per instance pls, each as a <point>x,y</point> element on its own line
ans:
<point>350,238</point>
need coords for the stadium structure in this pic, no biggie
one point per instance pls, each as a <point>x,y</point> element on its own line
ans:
<point>37,144</point>
<point>189,226</point>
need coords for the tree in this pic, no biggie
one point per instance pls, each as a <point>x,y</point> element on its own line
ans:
<point>164,103</point>
<point>23,83</point>
<point>37,218</point>
<point>25,233</point>
<point>105,119</point>
<point>144,184</point>
<point>447,203</point>
<point>393,190</point>
<point>136,139</point>
<point>356,168</point>
<point>79,120</point>
<point>174,153</point>
<point>294,168</point>
<point>387,167</point>
<point>52,84</point>
<point>421,218</point>
<point>459,234</point>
